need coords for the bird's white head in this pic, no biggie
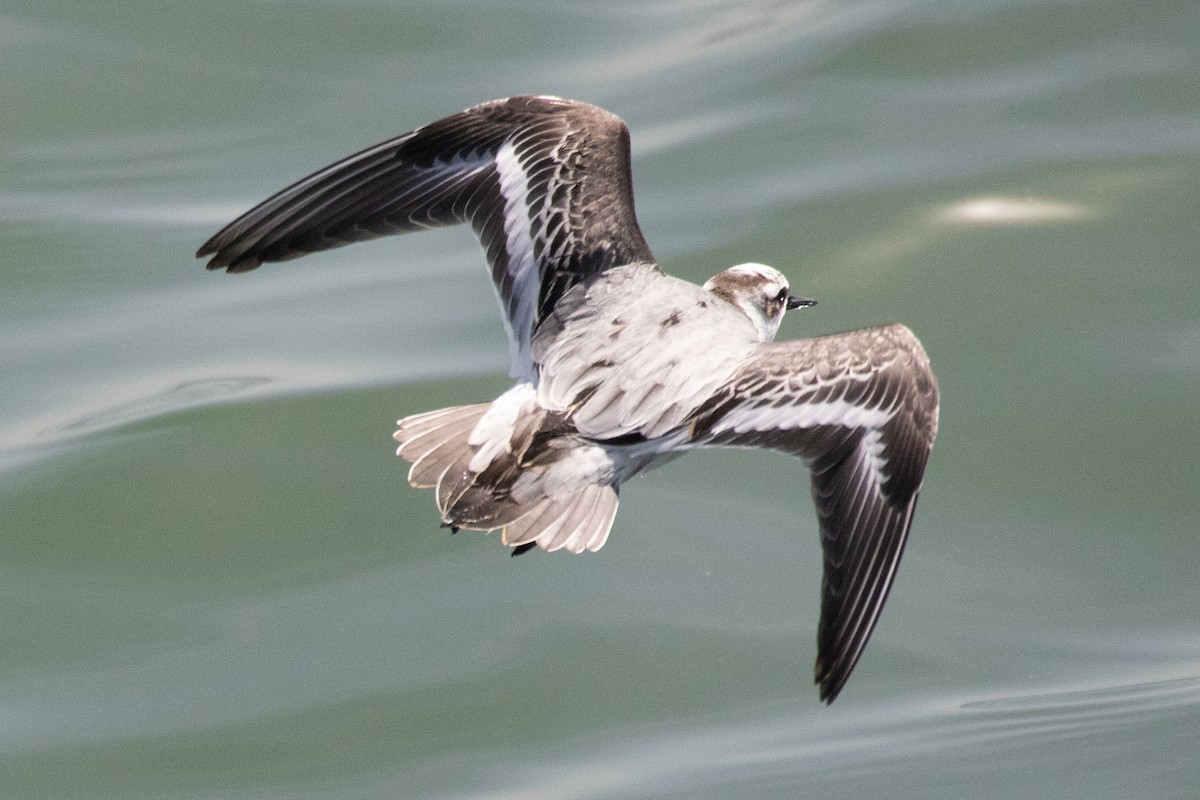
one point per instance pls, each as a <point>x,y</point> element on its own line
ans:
<point>761,292</point>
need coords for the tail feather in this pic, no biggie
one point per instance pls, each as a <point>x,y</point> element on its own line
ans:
<point>482,507</point>
<point>422,432</point>
<point>526,529</point>
<point>574,522</point>
<point>554,516</point>
<point>429,467</point>
<point>569,525</point>
<point>454,483</point>
<point>439,448</point>
<point>418,425</point>
<point>593,536</point>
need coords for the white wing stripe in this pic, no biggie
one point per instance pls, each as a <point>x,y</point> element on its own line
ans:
<point>806,415</point>
<point>514,188</point>
<point>873,446</point>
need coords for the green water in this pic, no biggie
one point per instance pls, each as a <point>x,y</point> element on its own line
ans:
<point>216,583</point>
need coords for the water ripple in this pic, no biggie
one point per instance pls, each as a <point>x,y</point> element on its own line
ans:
<point>182,395</point>
<point>1086,711</point>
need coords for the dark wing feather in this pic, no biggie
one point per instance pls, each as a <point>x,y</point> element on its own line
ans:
<point>861,409</point>
<point>545,183</point>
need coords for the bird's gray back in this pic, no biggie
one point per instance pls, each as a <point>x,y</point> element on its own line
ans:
<point>636,351</point>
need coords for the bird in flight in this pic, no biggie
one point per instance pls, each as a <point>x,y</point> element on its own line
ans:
<point>619,367</point>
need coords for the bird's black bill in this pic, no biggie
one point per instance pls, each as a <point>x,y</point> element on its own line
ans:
<point>794,302</point>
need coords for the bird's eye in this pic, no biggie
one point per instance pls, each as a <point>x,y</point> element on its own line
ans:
<point>782,296</point>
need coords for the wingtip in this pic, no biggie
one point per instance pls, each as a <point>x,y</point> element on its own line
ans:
<point>212,252</point>
<point>223,261</point>
<point>829,683</point>
<point>212,247</point>
<point>239,266</point>
<point>224,252</point>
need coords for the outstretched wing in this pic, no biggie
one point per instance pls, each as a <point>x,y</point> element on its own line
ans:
<point>544,182</point>
<point>861,409</point>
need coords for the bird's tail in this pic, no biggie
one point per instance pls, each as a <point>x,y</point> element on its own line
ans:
<point>537,486</point>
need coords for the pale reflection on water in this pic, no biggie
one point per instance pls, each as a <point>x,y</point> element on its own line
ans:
<point>1014,211</point>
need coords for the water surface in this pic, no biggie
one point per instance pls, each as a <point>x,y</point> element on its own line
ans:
<point>217,585</point>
